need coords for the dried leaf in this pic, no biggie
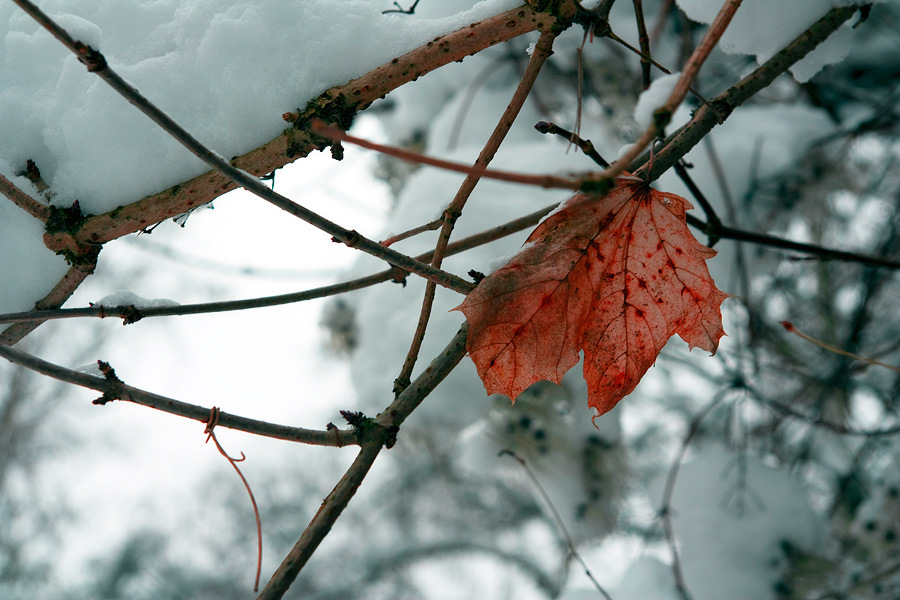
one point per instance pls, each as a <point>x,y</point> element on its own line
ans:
<point>614,277</point>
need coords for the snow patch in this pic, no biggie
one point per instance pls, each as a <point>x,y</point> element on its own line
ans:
<point>784,22</point>
<point>80,29</point>
<point>126,298</point>
<point>654,97</point>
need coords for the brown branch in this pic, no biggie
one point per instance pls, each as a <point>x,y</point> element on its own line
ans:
<point>644,41</point>
<point>544,181</point>
<point>378,433</point>
<point>97,64</point>
<point>114,389</point>
<point>61,292</point>
<point>297,142</point>
<point>24,201</point>
<point>663,115</point>
<point>542,51</point>
<point>708,116</point>
<point>130,312</point>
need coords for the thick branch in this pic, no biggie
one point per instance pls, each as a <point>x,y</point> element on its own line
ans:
<point>293,143</point>
<point>97,64</point>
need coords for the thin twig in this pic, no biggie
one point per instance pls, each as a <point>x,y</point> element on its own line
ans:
<point>665,510</point>
<point>790,327</point>
<point>644,41</point>
<point>544,181</point>
<point>663,114</point>
<point>542,51</point>
<point>130,312</point>
<point>661,17</point>
<point>777,242</point>
<point>713,223</point>
<point>34,208</point>
<point>116,390</point>
<point>560,524</point>
<point>708,116</point>
<point>433,225</point>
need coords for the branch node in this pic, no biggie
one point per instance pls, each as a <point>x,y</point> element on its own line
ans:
<point>110,374</point>
<point>92,59</point>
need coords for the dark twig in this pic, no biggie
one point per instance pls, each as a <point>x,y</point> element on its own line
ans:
<point>400,9</point>
<point>97,64</point>
<point>586,146</point>
<point>114,389</point>
<point>644,41</point>
<point>663,114</point>
<point>708,116</point>
<point>713,223</point>
<point>772,241</point>
<point>124,312</point>
<point>560,524</point>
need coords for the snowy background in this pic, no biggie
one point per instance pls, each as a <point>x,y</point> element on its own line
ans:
<point>123,502</point>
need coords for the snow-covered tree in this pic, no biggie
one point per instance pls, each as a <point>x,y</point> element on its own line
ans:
<point>770,470</point>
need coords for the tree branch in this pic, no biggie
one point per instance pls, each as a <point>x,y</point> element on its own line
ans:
<point>297,142</point>
<point>61,292</point>
<point>542,51</point>
<point>708,116</point>
<point>114,389</point>
<point>96,63</point>
<point>34,208</point>
<point>130,312</point>
<point>379,433</point>
<point>663,114</point>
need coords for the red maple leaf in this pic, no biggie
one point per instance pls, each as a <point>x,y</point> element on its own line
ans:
<point>614,277</point>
